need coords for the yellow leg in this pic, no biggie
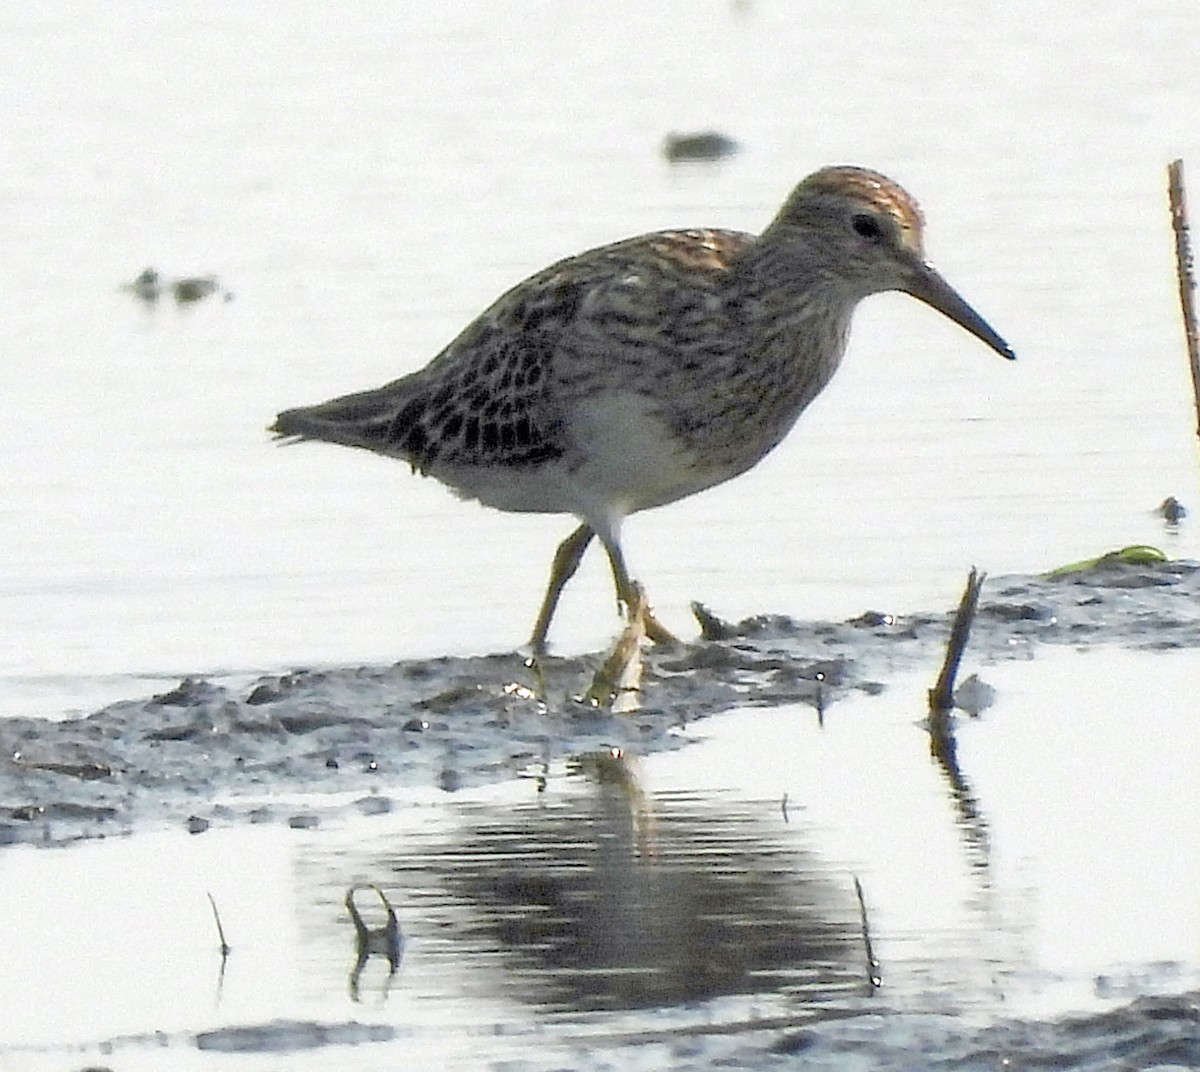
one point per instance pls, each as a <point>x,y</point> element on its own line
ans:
<point>566,562</point>
<point>631,597</point>
<point>617,683</point>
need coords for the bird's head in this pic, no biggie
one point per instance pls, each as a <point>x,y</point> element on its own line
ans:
<point>862,233</point>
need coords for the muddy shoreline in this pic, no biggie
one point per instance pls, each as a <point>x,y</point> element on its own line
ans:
<point>299,748</point>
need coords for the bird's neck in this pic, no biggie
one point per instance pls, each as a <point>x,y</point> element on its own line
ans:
<point>796,317</point>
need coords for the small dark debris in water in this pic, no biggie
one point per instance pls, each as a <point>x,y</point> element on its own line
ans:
<point>415,725</point>
<point>150,285</point>
<point>146,286</point>
<point>1171,510</point>
<point>698,147</point>
<point>449,780</point>
<point>196,825</point>
<point>304,821</point>
<point>194,288</point>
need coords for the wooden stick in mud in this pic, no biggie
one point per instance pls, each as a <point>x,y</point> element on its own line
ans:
<point>941,696</point>
<point>1184,265</point>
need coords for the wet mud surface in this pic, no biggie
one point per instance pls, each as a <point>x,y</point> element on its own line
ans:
<point>301,747</point>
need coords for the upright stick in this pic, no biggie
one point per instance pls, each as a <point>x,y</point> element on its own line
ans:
<point>1183,268</point>
<point>941,696</point>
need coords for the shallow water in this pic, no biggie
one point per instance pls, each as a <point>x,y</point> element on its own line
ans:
<point>696,905</point>
<point>366,183</point>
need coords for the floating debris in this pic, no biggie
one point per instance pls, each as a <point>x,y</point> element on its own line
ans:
<point>193,288</point>
<point>145,287</point>
<point>1171,510</point>
<point>698,147</point>
<point>150,285</point>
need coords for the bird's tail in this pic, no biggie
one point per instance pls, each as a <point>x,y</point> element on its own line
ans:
<point>378,420</point>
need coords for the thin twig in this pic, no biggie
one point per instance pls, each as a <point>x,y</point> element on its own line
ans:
<point>225,948</point>
<point>874,974</point>
<point>1184,271</point>
<point>941,696</point>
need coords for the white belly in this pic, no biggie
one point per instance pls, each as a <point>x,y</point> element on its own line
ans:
<point>624,460</point>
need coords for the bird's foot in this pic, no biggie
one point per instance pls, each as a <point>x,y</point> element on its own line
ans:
<point>617,684</point>
<point>533,663</point>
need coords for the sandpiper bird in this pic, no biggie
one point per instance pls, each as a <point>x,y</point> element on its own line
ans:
<point>644,371</point>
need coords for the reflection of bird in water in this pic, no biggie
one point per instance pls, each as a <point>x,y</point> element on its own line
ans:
<point>639,373</point>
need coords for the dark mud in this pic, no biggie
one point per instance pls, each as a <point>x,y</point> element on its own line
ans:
<point>301,747</point>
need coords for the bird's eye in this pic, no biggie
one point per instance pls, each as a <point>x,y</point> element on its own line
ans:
<point>867,226</point>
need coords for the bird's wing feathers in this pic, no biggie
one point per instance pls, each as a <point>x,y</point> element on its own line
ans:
<point>484,399</point>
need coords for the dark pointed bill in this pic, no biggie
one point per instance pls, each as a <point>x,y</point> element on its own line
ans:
<point>928,285</point>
